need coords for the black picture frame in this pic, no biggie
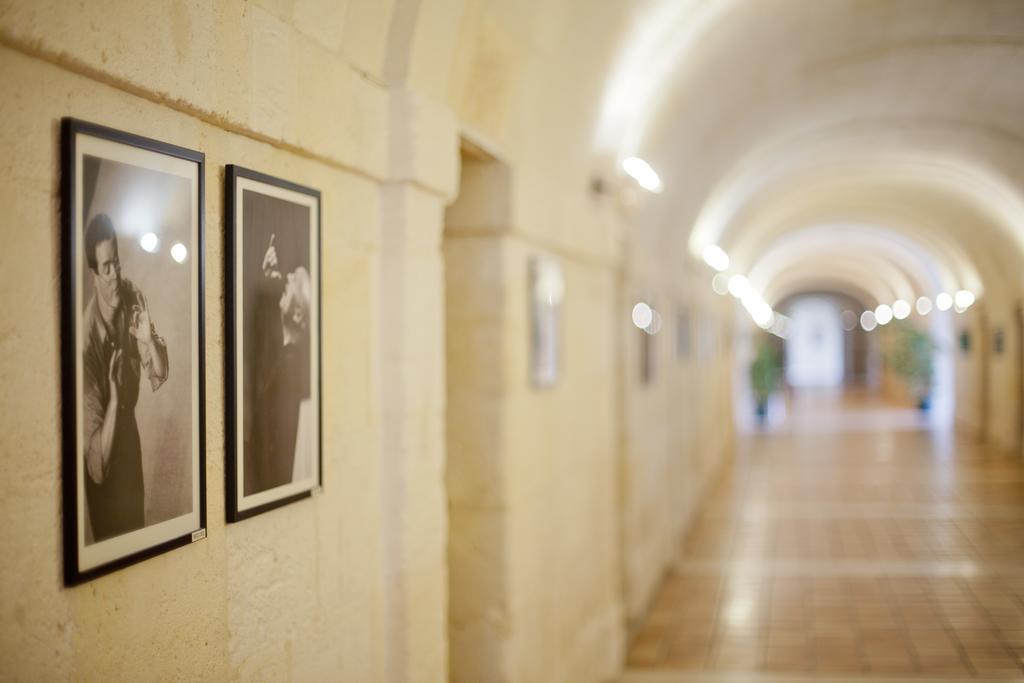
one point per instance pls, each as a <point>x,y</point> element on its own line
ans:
<point>648,356</point>
<point>965,341</point>
<point>271,199</point>
<point>162,185</point>
<point>684,334</point>
<point>998,341</point>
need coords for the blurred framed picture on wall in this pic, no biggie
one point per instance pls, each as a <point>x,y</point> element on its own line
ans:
<point>683,334</point>
<point>132,348</point>
<point>547,288</point>
<point>274,407</point>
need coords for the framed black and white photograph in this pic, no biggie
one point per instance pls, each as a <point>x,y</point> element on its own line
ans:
<point>965,341</point>
<point>132,348</point>
<point>684,334</point>
<point>547,288</point>
<point>648,356</point>
<point>707,338</point>
<point>273,342</point>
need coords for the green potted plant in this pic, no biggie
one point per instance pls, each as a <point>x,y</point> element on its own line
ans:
<point>911,357</point>
<point>765,375</point>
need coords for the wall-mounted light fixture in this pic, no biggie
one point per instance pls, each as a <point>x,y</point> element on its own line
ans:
<point>641,171</point>
<point>716,257</point>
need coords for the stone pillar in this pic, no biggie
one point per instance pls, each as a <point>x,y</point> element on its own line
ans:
<point>411,380</point>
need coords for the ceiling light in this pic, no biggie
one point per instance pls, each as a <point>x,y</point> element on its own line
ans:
<point>716,257</point>
<point>963,299</point>
<point>720,283</point>
<point>738,285</point>
<point>763,315</point>
<point>642,315</point>
<point>900,309</point>
<point>641,171</point>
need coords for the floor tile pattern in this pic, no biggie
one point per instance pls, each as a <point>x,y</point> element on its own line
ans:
<point>870,551</point>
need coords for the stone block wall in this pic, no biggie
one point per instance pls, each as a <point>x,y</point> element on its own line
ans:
<point>470,526</point>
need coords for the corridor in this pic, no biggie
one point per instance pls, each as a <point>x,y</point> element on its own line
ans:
<point>509,341</point>
<point>848,541</point>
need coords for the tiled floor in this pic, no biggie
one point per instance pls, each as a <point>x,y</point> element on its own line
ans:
<point>851,543</point>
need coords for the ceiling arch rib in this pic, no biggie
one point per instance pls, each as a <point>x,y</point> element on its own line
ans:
<point>763,120</point>
<point>907,270</point>
<point>833,55</point>
<point>870,291</point>
<point>659,42</point>
<point>880,278</point>
<point>961,230</point>
<point>928,102</point>
<point>953,267</point>
<point>831,283</point>
<point>928,187</point>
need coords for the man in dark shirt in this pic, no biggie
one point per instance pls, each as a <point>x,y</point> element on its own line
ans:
<point>120,344</point>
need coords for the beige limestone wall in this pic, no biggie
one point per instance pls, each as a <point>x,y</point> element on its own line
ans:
<point>263,599</point>
<point>1004,391</point>
<point>565,554</point>
<point>971,413</point>
<point>988,391</point>
<point>350,585</point>
<point>565,505</point>
<point>678,427</point>
<point>532,473</point>
<point>412,459</point>
<point>535,477</point>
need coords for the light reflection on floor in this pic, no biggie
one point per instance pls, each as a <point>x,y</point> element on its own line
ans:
<point>835,411</point>
<point>849,541</point>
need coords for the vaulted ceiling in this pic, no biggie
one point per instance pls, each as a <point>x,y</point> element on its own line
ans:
<point>872,146</point>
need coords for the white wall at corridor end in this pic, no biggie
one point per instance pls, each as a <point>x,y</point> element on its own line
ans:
<point>814,344</point>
